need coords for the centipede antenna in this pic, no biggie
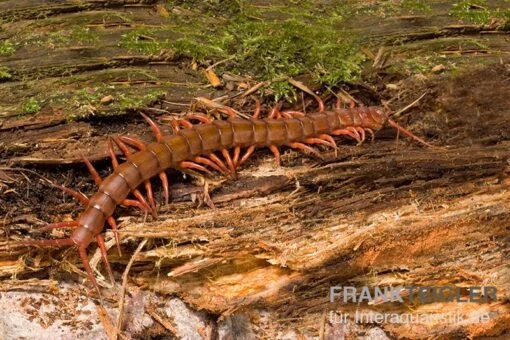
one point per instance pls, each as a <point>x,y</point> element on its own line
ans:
<point>85,261</point>
<point>104,255</point>
<point>60,225</point>
<point>409,133</point>
<point>57,243</point>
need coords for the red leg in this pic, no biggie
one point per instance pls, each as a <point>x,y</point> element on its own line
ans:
<point>276,153</point>
<point>177,123</point>
<point>60,225</point>
<point>104,255</point>
<point>256,114</point>
<point>154,127</point>
<point>85,261</point>
<point>349,131</point>
<point>246,155</point>
<point>320,103</point>
<point>219,162</point>
<point>192,165</point>
<point>319,141</point>
<point>134,142</point>
<point>330,139</point>
<point>230,163</point>
<point>164,182</point>
<point>201,118</point>
<point>293,114</point>
<point>77,195</point>
<point>115,230</point>
<point>305,148</point>
<point>205,161</point>
<point>93,171</point>
<point>275,111</point>
<point>228,110</point>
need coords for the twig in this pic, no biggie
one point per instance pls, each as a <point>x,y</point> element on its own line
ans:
<point>31,172</point>
<point>165,323</point>
<point>219,63</point>
<point>399,112</point>
<point>124,284</point>
<point>253,89</point>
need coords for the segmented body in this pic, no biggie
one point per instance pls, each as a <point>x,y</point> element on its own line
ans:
<point>204,139</point>
<point>197,143</point>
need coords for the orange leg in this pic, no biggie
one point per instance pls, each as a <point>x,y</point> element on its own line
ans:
<point>154,127</point>
<point>257,107</point>
<point>235,158</point>
<point>115,163</point>
<point>228,159</point>
<point>86,264</point>
<point>330,139</point>
<point>206,161</point>
<point>247,155</point>
<point>104,255</point>
<point>349,131</point>
<point>222,165</point>
<point>195,166</point>
<point>275,111</point>
<point>362,134</point>
<point>276,153</point>
<point>305,148</point>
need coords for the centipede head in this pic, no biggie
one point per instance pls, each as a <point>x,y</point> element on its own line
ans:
<point>82,252</point>
<point>387,113</point>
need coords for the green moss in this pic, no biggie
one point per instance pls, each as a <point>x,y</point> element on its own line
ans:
<point>480,12</point>
<point>141,40</point>
<point>30,106</point>
<point>268,43</point>
<point>74,36</point>
<point>6,47</point>
<point>5,73</point>
<point>388,8</point>
<point>87,102</point>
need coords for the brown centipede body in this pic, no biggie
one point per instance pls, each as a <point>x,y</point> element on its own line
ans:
<point>195,147</point>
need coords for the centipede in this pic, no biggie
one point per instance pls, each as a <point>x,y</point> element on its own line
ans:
<point>221,145</point>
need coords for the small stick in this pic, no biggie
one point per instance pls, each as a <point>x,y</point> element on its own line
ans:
<point>399,112</point>
<point>124,284</point>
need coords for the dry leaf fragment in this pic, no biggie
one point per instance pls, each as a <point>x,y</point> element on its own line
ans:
<point>212,77</point>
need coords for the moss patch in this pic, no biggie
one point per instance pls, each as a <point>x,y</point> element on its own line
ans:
<point>6,47</point>
<point>267,43</point>
<point>480,12</point>
<point>30,106</point>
